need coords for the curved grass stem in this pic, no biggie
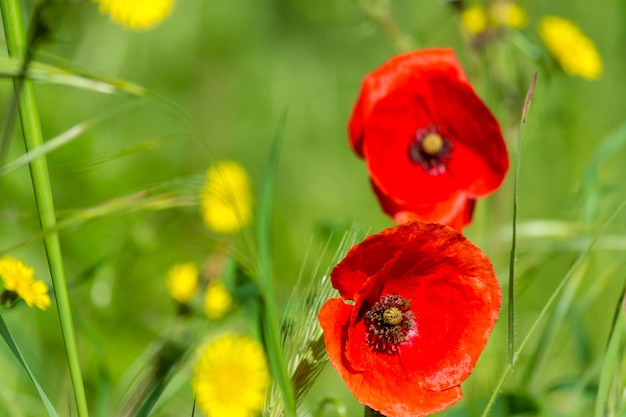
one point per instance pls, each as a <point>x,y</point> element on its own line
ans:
<point>270,322</point>
<point>31,128</point>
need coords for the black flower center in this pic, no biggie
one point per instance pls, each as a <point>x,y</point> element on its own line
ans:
<point>431,150</point>
<point>388,323</point>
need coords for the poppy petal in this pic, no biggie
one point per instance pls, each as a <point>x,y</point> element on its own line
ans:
<point>454,300</point>
<point>477,131</point>
<point>455,212</point>
<point>391,76</point>
<point>381,389</point>
<point>427,91</point>
<point>334,316</point>
<point>363,261</point>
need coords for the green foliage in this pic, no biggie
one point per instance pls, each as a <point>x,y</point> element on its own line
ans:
<point>130,121</point>
<point>8,339</point>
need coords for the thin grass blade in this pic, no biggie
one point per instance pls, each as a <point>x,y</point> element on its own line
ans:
<point>611,365</point>
<point>270,323</point>
<point>139,201</point>
<point>518,160</point>
<point>8,339</point>
<point>19,48</point>
<point>63,139</point>
<point>590,187</point>
<point>577,263</point>
<point>550,331</point>
<point>39,71</point>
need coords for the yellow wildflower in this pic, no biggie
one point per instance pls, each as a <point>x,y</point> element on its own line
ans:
<point>217,300</point>
<point>226,199</point>
<point>19,279</point>
<point>474,19</point>
<point>508,14</point>
<point>576,53</point>
<point>136,14</point>
<point>182,281</point>
<point>231,376</point>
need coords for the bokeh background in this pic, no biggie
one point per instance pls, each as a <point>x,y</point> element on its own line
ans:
<point>232,70</point>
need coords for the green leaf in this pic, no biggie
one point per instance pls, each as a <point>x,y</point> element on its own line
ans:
<point>590,185</point>
<point>37,71</point>
<point>143,200</point>
<point>555,322</point>
<point>568,276</point>
<point>246,294</point>
<point>8,338</point>
<point>270,323</point>
<point>611,365</point>
<point>60,140</point>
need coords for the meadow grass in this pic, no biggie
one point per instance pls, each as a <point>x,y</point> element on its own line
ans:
<point>119,128</point>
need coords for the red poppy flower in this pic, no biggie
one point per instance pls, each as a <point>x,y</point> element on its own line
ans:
<point>422,301</point>
<point>431,145</point>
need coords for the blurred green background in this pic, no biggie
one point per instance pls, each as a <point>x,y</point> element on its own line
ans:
<point>233,69</point>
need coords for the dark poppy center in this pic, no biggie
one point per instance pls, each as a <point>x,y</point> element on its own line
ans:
<point>431,150</point>
<point>388,323</point>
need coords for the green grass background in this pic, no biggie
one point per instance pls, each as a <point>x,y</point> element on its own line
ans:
<point>233,69</point>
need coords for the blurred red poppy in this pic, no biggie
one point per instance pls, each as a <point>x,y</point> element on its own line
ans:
<point>431,145</point>
<point>418,302</point>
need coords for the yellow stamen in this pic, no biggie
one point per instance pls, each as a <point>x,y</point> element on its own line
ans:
<point>432,144</point>
<point>392,316</point>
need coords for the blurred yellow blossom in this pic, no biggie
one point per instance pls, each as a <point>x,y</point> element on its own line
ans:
<point>182,281</point>
<point>226,199</point>
<point>217,300</point>
<point>476,19</point>
<point>576,53</point>
<point>508,14</point>
<point>19,278</point>
<point>136,14</point>
<point>231,377</point>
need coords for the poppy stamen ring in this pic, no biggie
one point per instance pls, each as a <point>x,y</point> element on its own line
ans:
<point>392,316</point>
<point>388,323</point>
<point>431,149</point>
<point>431,144</point>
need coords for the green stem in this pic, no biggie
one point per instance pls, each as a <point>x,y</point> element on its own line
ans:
<point>270,322</point>
<point>568,276</point>
<point>33,138</point>
<point>380,12</point>
<point>518,160</point>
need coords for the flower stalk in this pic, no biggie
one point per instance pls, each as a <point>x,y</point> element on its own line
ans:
<point>379,11</point>
<point>33,138</point>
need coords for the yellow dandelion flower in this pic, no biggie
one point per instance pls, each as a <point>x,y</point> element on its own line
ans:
<point>217,300</point>
<point>576,53</point>
<point>19,278</point>
<point>474,19</point>
<point>508,14</point>
<point>231,377</point>
<point>182,281</point>
<point>136,14</point>
<point>226,199</point>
